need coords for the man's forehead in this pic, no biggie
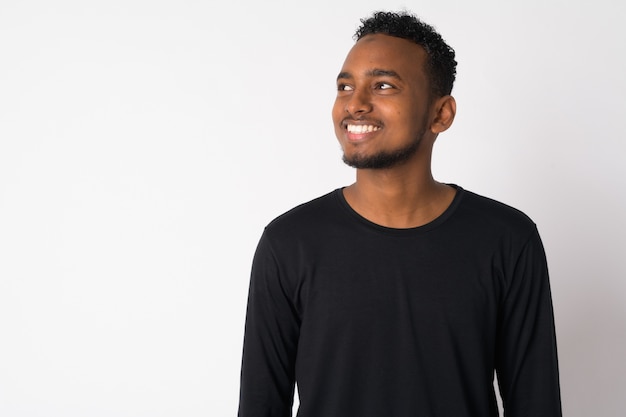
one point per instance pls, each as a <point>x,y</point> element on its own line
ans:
<point>378,54</point>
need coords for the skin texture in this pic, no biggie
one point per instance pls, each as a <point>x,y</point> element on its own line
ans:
<point>383,84</point>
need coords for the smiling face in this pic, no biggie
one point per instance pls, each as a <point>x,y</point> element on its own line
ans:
<point>381,113</point>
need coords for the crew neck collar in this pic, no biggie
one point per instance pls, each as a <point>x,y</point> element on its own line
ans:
<point>402,231</point>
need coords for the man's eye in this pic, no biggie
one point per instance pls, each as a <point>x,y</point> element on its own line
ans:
<point>344,87</point>
<point>384,86</point>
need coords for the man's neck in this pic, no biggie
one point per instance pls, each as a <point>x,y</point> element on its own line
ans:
<point>397,198</point>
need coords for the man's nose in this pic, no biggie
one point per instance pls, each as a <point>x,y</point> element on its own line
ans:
<point>359,103</point>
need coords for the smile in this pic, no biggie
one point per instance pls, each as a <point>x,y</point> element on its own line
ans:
<point>359,129</point>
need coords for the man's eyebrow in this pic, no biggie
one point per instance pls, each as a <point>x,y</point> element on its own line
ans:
<point>344,75</point>
<point>376,72</point>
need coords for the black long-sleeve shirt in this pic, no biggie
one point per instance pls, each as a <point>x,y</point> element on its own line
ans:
<point>379,322</point>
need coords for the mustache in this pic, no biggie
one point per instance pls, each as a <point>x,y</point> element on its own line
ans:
<point>360,120</point>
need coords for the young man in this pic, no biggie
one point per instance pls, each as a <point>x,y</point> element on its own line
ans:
<point>398,296</point>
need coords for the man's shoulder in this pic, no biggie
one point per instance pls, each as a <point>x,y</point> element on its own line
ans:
<point>489,213</point>
<point>306,215</point>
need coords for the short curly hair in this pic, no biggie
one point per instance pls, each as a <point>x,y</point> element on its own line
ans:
<point>441,65</point>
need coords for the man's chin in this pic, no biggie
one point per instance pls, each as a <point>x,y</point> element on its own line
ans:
<point>379,161</point>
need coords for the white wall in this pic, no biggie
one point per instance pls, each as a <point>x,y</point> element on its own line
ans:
<point>145,144</point>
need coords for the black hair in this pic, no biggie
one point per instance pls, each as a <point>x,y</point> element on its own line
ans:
<point>440,66</point>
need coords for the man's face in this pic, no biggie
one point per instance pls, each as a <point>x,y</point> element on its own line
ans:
<point>381,110</point>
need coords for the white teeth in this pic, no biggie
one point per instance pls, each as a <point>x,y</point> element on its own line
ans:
<point>362,128</point>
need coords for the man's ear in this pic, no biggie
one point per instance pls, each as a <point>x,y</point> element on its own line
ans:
<point>444,111</point>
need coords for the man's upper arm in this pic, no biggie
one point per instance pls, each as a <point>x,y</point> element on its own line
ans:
<point>270,341</point>
<point>526,360</point>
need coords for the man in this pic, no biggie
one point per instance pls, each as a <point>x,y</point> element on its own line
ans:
<point>398,296</point>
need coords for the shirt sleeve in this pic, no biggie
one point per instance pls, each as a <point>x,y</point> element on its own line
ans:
<point>270,341</point>
<point>526,361</point>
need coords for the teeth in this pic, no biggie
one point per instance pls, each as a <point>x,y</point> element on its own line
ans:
<point>362,128</point>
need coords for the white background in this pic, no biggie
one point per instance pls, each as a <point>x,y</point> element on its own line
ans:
<point>144,145</point>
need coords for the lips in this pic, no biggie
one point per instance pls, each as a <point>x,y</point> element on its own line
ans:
<point>360,130</point>
<point>360,127</point>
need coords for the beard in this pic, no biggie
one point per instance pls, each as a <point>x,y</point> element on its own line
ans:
<point>384,159</point>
